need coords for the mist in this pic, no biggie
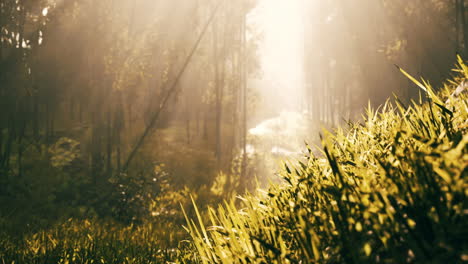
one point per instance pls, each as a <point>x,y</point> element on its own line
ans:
<point>126,113</point>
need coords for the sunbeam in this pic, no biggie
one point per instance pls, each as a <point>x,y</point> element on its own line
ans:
<point>233,131</point>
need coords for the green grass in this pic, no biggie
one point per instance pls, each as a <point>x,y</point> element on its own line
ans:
<point>91,242</point>
<point>389,190</point>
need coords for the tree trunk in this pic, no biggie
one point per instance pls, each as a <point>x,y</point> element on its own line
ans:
<point>244,101</point>
<point>457,26</point>
<point>187,120</point>
<point>109,143</point>
<point>218,91</point>
<point>464,26</point>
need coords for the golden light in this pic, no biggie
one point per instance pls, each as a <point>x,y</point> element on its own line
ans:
<point>281,51</point>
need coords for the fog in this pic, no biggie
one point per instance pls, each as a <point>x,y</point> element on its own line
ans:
<point>281,52</point>
<point>124,109</point>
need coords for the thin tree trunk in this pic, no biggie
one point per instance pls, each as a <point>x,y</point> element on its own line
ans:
<point>244,101</point>
<point>80,113</point>
<point>187,120</point>
<point>197,120</point>
<point>47,123</point>
<point>9,142</point>
<point>205,125</point>
<point>72,107</point>
<point>109,143</point>
<point>464,26</point>
<point>172,89</point>
<point>36,115</point>
<point>457,26</point>
<point>219,86</point>
<point>217,92</point>
<point>235,88</point>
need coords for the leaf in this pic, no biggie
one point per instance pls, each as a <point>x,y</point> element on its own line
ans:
<point>443,174</point>
<point>367,249</point>
<point>358,226</point>
<point>445,110</point>
<point>426,88</point>
<point>412,78</point>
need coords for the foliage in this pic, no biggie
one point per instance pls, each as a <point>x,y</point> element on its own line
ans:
<point>350,50</point>
<point>91,242</point>
<point>389,190</point>
<point>71,114</point>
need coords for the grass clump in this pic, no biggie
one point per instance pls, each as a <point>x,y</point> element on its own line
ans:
<point>389,190</point>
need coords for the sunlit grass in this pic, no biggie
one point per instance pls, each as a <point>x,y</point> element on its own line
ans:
<point>389,190</point>
<point>92,242</point>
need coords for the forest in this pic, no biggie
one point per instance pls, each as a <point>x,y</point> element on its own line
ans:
<point>233,131</point>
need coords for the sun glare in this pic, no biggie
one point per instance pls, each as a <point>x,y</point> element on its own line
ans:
<point>281,49</point>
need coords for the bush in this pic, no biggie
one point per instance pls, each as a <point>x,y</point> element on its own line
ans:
<point>390,190</point>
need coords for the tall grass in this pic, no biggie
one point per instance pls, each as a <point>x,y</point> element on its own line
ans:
<point>86,242</point>
<point>391,189</point>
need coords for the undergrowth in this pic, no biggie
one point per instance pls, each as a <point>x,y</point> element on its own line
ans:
<point>86,242</point>
<point>389,190</point>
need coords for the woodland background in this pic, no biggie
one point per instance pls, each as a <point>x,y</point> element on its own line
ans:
<point>81,80</point>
